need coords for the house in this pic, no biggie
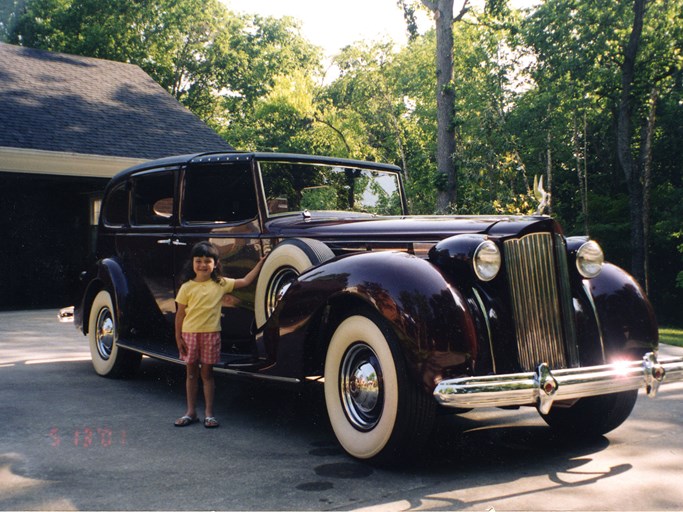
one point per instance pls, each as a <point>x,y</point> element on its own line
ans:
<point>67,124</point>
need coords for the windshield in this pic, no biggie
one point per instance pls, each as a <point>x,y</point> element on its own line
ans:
<point>295,187</point>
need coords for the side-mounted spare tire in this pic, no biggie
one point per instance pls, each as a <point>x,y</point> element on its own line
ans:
<point>108,359</point>
<point>283,266</point>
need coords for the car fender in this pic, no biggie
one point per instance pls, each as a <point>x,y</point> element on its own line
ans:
<point>107,274</point>
<point>430,318</point>
<point>626,318</point>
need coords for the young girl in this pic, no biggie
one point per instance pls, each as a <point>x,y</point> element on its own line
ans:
<point>198,326</point>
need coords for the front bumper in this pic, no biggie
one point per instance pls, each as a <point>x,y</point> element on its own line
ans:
<point>545,387</point>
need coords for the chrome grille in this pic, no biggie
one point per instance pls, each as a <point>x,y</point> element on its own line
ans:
<point>541,301</point>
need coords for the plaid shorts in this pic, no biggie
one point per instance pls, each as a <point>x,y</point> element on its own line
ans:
<point>202,347</point>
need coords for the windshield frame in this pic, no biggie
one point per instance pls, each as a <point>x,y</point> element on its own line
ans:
<point>287,159</point>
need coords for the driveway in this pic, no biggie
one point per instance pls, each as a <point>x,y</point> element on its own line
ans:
<point>70,440</point>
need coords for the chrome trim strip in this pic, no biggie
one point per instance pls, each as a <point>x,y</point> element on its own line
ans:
<point>256,375</point>
<point>228,371</point>
<point>544,386</point>
<point>482,308</point>
<point>594,309</point>
<point>566,305</point>
<point>153,355</point>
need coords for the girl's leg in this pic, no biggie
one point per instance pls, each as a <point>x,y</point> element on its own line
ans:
<point>191,388</point>
<point>209,388</point>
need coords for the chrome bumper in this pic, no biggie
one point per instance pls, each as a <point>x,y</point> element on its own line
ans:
<point>544,386</point>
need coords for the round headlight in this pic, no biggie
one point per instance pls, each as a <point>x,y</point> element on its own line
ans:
<point>589,259</point>
<point>486,260</point>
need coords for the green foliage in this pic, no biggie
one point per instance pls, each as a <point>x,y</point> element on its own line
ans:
<point>9,10</point>
<point>671,336</point>
<point>571,112</point>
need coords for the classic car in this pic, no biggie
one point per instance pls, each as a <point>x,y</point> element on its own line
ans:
<point>398,317</point>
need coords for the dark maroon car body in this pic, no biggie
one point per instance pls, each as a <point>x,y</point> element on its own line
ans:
<point>451,333</point>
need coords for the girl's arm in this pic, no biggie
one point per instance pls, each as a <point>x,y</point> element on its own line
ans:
<point>179,317</point>
<point>249,278</point>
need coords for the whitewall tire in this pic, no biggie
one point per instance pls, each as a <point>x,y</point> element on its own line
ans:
<point>107,358</point>
<point>375,411</point>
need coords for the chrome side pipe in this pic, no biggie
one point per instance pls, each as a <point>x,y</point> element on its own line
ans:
<point>544,387</point>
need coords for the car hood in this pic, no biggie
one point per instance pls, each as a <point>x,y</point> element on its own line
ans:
<point>324,226</point>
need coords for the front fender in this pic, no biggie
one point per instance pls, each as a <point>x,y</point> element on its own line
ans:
<point>430,318</point>
<point>626,318</point>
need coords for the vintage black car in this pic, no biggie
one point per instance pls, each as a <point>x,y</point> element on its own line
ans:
<point>397,316</point>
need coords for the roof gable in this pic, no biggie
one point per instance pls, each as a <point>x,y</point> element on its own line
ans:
<point>68,103</point>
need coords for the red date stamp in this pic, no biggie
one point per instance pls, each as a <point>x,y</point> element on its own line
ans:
<point>88,437</point>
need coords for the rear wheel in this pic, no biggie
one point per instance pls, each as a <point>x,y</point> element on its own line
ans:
<point>107,358</point>
<point>592,416</point>
<point>376,412</point>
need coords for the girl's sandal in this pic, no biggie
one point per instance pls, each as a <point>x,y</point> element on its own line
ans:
<point>184,421</point>
<point>210,422</point>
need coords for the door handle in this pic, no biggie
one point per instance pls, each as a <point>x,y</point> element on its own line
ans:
<point>167,241</point>
<point>178,242</point>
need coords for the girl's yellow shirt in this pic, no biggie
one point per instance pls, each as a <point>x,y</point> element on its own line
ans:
<point>203,304</point>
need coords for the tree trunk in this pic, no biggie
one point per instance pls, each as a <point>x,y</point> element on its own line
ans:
<point>549,171</point>
<point>585,171</point>
<point>646,165</point>
<point>445,101</point>
<point>580,158</point>
<point>631,168</point>
<point>445,105</point>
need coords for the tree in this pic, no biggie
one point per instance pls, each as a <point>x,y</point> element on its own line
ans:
<point>633,170</point>
<point>268,48</point>
<point>643,74</point>
<point>383,102</point>
<point>445,99</point>
<point>621,70</point>
<point>446,148</point>
<point>8,14</point>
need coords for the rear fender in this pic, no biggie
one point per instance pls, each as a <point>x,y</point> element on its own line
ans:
<point>106,275</point>
<point>429,317</point>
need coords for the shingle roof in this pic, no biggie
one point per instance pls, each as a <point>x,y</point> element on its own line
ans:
<point>59,102</point>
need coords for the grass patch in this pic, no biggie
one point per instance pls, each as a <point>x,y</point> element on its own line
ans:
<point>671,336</point>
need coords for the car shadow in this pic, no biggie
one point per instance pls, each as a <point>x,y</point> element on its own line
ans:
<point>470,460</point>
<point>459,443</point>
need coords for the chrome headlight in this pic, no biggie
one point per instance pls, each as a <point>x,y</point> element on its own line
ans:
<point>589,259</point>
<point>486,260</point>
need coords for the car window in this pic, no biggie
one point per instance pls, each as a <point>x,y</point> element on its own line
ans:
<point>219,193</point>
<point>115,208</point>
<point>294,186</point>
<point>152,199</point>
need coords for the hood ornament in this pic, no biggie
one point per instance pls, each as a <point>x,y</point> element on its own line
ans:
<point>541,196</point>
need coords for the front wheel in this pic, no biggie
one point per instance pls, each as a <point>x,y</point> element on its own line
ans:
<point>592,416</point>
<point>376,412</point>
<point>107,358</point>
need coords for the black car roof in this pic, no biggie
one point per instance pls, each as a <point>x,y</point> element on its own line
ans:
<point>263,156</point>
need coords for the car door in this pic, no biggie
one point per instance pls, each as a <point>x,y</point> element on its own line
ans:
<point>219,204</point>
<point>148,258</point>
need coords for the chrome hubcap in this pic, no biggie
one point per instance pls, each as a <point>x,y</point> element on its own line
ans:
<point>361,390</point>
<point>105,333</point>
<point>279,282</point>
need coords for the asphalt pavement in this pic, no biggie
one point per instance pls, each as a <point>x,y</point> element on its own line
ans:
<point>71,440</point>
